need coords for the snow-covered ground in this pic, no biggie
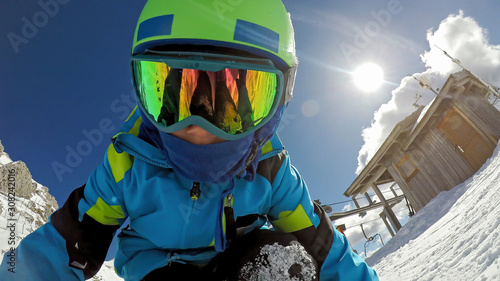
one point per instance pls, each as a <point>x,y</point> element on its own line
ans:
<point>455,237</point>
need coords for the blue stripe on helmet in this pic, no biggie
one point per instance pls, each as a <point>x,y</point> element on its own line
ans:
<point>255,34</point>
<point>157,26</point>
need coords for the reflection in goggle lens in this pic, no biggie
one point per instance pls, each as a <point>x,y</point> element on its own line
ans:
<point>234,100</point>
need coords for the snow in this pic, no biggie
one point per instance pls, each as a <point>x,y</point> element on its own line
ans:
<point>24,225</point>
<point>4,159</point>
<point>494,101</point>
<point>107,273</point>
<point>422,114</point>
<point>275,261</point>
<point>455,237</point>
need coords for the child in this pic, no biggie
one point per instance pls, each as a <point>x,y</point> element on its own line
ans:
<point>197,167</point>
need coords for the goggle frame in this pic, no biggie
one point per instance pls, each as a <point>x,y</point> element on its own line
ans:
<point>208,62</point>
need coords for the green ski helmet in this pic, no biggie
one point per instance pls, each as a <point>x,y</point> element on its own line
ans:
<point>256,29</point>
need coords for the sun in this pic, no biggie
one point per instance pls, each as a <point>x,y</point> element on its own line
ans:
<point>368,77</point>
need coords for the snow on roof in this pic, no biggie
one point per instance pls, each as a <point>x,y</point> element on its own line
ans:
<point>422,114</point>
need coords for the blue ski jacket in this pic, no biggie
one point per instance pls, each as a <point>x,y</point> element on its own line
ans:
<point>167,225</point>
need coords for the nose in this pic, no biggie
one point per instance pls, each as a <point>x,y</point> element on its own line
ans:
<point>197,135</point>
<point>198,131</point>
<point>201,101</point>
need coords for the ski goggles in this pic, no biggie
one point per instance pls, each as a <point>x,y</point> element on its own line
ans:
<point>228,96</point>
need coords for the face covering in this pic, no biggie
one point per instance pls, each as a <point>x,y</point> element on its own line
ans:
<point>212,163</point>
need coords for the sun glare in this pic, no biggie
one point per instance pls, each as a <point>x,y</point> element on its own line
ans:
<point>368,77</point>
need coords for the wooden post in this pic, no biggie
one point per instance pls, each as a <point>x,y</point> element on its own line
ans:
<point>355,202</point>
<point>368,198</point>
<point>387,212</point>
<point>384,219</point>
<point>387,209</point>
<point>361,214</point>
<point>392,189</point>
<point>399,179</point>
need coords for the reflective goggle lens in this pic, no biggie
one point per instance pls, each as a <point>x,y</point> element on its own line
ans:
<point>234,100</point>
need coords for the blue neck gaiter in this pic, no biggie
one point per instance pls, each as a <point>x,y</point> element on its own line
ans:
<point>212,163</point>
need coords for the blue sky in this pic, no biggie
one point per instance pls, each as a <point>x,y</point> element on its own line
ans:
<point>65,81</point>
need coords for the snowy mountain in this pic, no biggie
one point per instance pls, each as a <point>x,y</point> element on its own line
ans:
<point>455,237</point>
<point>32,203</point>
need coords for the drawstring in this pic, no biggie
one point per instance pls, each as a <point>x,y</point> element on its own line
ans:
<point>229,214</point>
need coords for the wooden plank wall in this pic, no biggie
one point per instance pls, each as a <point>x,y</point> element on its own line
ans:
<point>440,166</point>
<point>484,113</point>
<point>415,193</point>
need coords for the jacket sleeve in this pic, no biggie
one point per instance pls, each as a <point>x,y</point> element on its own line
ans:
<point>93,213</point>
<point>87,232</point>
<point>74,244</point>
<point>294,212</point>
<point>39,255</point>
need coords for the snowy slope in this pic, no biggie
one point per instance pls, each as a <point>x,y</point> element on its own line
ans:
<point>30,213</point>
<point>455,237</point>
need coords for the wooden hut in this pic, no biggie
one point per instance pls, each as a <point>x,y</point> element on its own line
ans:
<point>436,147</point>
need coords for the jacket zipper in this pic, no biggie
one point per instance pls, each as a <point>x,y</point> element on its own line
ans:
<point>195,191</point>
